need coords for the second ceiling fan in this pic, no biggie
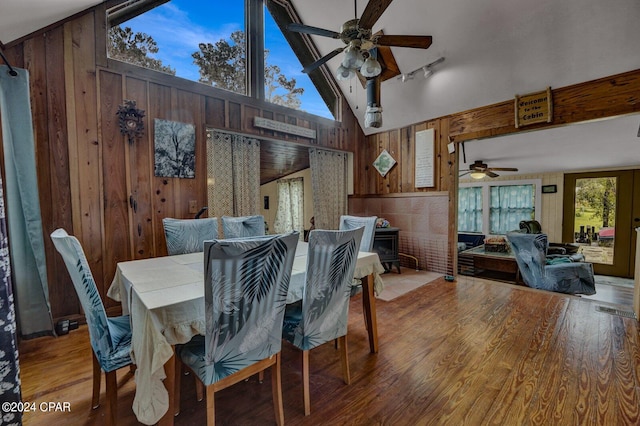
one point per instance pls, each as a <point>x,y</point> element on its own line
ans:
<point>479,170</point>
<point>360,42</point>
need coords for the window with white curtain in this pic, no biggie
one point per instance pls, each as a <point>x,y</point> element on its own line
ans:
<point>290,212</point>
<point>497,208</point>
<point>470,209</point>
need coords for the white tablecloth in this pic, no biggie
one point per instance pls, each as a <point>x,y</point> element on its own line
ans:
<point>165,298</point>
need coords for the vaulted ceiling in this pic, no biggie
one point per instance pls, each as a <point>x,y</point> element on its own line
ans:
<point>493,50</point>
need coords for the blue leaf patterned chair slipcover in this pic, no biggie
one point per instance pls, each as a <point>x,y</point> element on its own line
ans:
<point>530,253</point>
<point>110,337</point>
<point>243,226</point>
<point>246,284</point>
<point>188,235</point>
<point>322,314</point>
<point>369,223</point>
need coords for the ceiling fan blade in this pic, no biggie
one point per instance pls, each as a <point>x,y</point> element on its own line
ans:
<point>464,174</point>
<point>372,12</point>
<point>419,42</point>
<point>491,174</point>
<point>322,60</point>
<point>306,29</point>
<point>503,169</point>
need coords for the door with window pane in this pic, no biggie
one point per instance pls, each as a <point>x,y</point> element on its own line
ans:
<point>598,210</point>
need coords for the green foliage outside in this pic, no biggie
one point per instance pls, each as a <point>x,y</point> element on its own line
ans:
<point>221,64</point>
<point>135,48</point>
<point>595,203</point>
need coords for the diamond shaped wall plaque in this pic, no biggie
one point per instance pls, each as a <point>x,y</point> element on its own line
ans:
<point>384,163</point>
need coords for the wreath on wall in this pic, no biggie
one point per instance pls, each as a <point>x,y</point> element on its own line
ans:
<point>130,120</point>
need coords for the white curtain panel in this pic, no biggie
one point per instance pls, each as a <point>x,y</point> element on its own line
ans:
<point>290,213</point>
<point>233,174</point>
<point>329,183</point>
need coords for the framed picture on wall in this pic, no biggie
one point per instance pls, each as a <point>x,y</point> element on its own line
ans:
<point>175,149</point>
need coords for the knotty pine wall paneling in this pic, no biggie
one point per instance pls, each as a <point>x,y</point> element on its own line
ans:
<point>160,106</point>
<point>84,150</point>
<point>114,168</point>
<point>139,175</point>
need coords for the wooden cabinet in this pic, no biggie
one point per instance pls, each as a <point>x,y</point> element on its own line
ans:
<point>385,243</point>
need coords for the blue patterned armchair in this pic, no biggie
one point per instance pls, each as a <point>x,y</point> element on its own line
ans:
<point>110,337</point>
<point>246,284</point>
<point>243,226</point>
<point>188,235</point>
<point>322,314</point>
<point>568,277</point>
<point>369,223</point>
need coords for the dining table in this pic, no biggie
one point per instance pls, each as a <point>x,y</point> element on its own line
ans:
<point>164,297</point>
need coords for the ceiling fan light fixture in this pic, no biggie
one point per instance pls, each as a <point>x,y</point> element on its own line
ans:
<point>343,73</point>
<point>353,57</point>
<point>477,175</point>
<point>371,68</point>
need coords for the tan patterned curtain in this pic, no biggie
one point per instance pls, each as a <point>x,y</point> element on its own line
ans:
<point>233,174</point>
<point>329,183</point>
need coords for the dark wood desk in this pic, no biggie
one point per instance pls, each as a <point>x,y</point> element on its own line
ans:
<point>492,265</point>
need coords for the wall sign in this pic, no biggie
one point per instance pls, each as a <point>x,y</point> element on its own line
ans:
<point>424,158</point>
<point>534,108</point>
<point>279,126</point>
<point>549,189</point>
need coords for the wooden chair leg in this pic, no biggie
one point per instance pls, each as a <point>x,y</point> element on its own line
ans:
<point>97,375</point>
<point>276,387</point>
<point>199,388</point>
<point>211,408</point>
<point>344,357</point>
<point>112,398</point>
<point>176,386</point>
<point>305,383</point>
<point>261,376</point>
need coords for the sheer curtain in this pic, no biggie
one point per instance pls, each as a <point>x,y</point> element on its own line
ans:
<point>470,209</point>
<point>233,174</point>
<point>509,205</point>
<point>329,183</point>
<point>290,213</point>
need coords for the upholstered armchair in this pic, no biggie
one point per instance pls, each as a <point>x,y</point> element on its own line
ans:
<point>555,249</point>
<point>322,314</point>
<point>566,277</point>
<point>243,226</point>
<point>245,293</point>
<point>369,223</point>
<point>110,337</point>
<point>188,235</point>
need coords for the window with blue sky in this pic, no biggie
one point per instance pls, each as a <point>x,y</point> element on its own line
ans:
<point>180,27</point>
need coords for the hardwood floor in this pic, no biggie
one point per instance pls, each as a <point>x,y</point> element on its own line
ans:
<point>468,352</point>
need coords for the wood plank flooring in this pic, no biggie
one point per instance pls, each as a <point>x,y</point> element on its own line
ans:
<point>470,352</point>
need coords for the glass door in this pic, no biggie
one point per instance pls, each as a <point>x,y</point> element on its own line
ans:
<point>598,218</point>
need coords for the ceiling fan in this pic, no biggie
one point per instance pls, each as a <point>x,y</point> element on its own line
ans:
<point>360,44</point>
<point>479,170</point>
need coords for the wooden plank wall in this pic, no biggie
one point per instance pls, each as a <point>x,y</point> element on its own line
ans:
<point>92,181</point>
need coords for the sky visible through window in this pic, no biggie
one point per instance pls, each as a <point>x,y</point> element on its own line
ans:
<point>179,25</point>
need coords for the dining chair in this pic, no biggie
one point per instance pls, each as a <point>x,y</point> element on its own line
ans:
<point>243,226</point>
<point>245,292</point>
<point>369,223</point>
<point>322,314</point>
<point>110,336</point>
<point>188,235</point>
